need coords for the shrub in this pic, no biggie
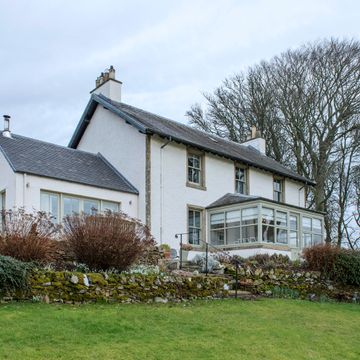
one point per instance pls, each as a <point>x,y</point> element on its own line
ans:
<point>267,261</point>
<point>338,264</point>
<point>347,267</point>
<point>106,241</point>
<point>321,258</point>
<point>28,237</point>
<point>13,274</point>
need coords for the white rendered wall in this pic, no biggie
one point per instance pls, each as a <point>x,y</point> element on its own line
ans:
<point>122,145</point>
<point>169,206</point>
<point>260,183</point>
<point>29,187</point>
<point>7,182</point>
<point>294,193</point>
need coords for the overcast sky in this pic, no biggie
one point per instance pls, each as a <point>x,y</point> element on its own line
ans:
<point>165,52</point>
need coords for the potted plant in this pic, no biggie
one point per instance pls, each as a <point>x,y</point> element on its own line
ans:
<point>185,248</point>
<point>166,250</point>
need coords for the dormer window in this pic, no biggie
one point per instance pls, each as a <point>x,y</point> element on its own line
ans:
<point>240,180</point>
<point>195,169</point>
<point>278,190</point>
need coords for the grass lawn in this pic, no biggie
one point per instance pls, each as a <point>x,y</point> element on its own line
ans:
<point>226,329</point>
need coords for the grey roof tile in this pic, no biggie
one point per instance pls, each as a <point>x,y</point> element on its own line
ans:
<point>151,123</point>
<point>234,198</point>
<point>26,155</point>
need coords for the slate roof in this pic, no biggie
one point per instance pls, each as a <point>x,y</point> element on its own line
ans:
<point>26,155</point>
<point>147,122</point>
<point>232,199</point>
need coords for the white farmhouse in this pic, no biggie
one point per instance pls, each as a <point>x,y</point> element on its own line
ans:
<point>176,179</point>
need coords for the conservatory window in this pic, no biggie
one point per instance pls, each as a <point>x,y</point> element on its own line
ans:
<point>312,231</point>
<point>294,231</point>
<point>234,227</point>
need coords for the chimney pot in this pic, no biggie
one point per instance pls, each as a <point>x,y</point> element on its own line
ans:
<point>6,132</point>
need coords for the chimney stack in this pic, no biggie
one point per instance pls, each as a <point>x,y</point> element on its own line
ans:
<point>6,132</point>
<point>255,140</point>
<point>107,85</point>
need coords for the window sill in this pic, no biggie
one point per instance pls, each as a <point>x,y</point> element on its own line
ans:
<point>195,186</point>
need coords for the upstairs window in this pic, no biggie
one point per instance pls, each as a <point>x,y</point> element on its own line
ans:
<point>278,190</point>
<point>240,180</point>
<point>195,169</point>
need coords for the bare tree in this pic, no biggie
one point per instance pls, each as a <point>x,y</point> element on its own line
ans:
<point>306,102</point>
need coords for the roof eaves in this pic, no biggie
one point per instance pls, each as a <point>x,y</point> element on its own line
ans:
<point>267,201</point>
<point>182,141</point>
<point>83,123</point>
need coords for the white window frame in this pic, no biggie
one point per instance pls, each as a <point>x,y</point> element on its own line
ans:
<point>193,227</point>
<point>82,199</point>
<point>243,182</point>
<point>278,196</point>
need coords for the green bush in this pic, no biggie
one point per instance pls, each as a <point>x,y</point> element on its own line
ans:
<point>13,274</point>
<point>347,267</point>
<point>338,264</point>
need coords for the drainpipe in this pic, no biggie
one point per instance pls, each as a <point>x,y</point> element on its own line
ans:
<point>299,192</point>
<point>162,188</point>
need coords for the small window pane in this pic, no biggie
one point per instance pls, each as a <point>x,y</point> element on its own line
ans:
<point>306,239</point>
<point>306,224</point>
<point>267,216</point>
<point>268,234</point>
<point>233,218</point>
<point>110,206</point>
<point>49,203</point>
<point>293,222</point>
<point>316,226</point>
<point>233,236</point>
<point>317,239</point>
<point>91,207</point>
<point>281,236</point>
<point>293,240</point>
<point>249,233</point>
<point>217,221</point>
<point>194,236</point>
<point>281,218</point>
<point>71,206</point>
<point>249,216</point>
<point>217,237</point>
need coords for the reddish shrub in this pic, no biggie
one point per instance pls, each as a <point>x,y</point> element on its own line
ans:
<point>321,258</point>
<point>105,241</point>
<point>28,237</point>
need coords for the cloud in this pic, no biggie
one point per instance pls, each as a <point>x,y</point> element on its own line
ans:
<point>165,52</point>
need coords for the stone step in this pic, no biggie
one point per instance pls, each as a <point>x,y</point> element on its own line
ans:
<point>246,295</point>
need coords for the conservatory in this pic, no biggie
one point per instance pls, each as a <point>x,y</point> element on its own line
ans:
<point>254,221</point>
